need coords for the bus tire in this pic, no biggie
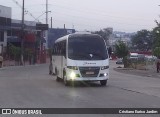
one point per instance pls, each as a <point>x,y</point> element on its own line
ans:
<point>50,72</point>
<point>50,69</point>
<point>103,82</point>
<point>57,78</point>
<point>54,72</point>
<point>66,83</point>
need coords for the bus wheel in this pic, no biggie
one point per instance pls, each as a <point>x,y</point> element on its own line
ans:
<point>65,79</point>
<point>103,82</point>
<point>50,69</point>
<point>57,78</point>
<point>50,72</point>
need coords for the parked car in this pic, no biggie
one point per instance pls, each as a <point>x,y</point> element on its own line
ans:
<point>150,58</point>
<point>119,61</point>
<point>136,56</point>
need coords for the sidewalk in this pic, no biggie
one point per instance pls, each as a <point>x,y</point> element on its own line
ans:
<point>8,63</point>
<point>150,72</point>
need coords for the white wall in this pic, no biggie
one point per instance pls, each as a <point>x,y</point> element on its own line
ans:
<point>5,11</point>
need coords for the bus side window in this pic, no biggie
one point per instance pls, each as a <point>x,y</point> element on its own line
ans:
<point>56,51</point>
<point>53,50</point>
<point>59,49</point>
<point>64,49</point>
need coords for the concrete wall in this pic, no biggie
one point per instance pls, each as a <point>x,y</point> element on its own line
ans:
<point>5,14</point>
<point>5,11</point>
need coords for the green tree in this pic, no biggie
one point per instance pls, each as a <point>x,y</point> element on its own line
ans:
<point>122,51</point>
<point>105,33</point>
<point>156,51</point>
<point>142,40</point>
<point>156,40</point>
<point>15,51</point>
<point>29,54</point>
<point>156,36</point>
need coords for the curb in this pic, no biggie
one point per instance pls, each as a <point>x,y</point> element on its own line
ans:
<point>123,69</point>
<point>8,67</point>
<point>136,72</point>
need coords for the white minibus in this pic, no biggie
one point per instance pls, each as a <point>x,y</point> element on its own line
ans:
<point>80,57</point>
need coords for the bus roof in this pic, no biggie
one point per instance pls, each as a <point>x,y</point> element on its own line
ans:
<point>76,35</point>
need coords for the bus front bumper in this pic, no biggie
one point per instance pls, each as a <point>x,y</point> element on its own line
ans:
<point>77,76</point>
<point>87,78</point>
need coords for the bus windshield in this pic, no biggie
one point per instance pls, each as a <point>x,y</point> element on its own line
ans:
<point>87,48</point>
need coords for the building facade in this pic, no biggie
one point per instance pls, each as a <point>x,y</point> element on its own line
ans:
<point>5,24</point>
<point>11,35</point>
<point>55,33</point>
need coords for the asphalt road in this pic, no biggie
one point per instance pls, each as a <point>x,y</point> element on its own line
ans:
<point>33,87</point>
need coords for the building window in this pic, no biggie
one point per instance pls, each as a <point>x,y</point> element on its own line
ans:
<point>5,21</point>
<point>1,36</point>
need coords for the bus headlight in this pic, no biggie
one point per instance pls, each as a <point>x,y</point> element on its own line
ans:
<point>72,75</point>
<point>104,67</point>
<point>105,74</point>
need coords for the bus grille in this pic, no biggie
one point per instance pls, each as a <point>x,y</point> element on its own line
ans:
<point>89,71</point>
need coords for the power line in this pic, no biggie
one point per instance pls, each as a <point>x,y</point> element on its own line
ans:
<point>102,13</point>
<point>46,11</point>
<point>25,10</point>
<point>108,16</point>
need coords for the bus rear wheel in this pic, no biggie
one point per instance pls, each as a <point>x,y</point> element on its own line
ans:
<point>103,82</point>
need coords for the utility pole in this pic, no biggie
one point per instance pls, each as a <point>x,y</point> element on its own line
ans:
<point>51,22</point>
<point>46,11</point>
<point>22,35</point>
<point>64,26</point>
<point>46,32</point>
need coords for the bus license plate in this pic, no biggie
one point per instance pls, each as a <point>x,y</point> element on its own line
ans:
<point>89,73</point>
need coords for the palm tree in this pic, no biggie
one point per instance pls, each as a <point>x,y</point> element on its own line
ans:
<point>15,51</point>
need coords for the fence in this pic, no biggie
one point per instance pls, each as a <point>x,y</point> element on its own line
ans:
<point>143,64</point>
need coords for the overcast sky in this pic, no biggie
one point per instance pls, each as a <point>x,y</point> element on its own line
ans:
<point>122,15</point>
